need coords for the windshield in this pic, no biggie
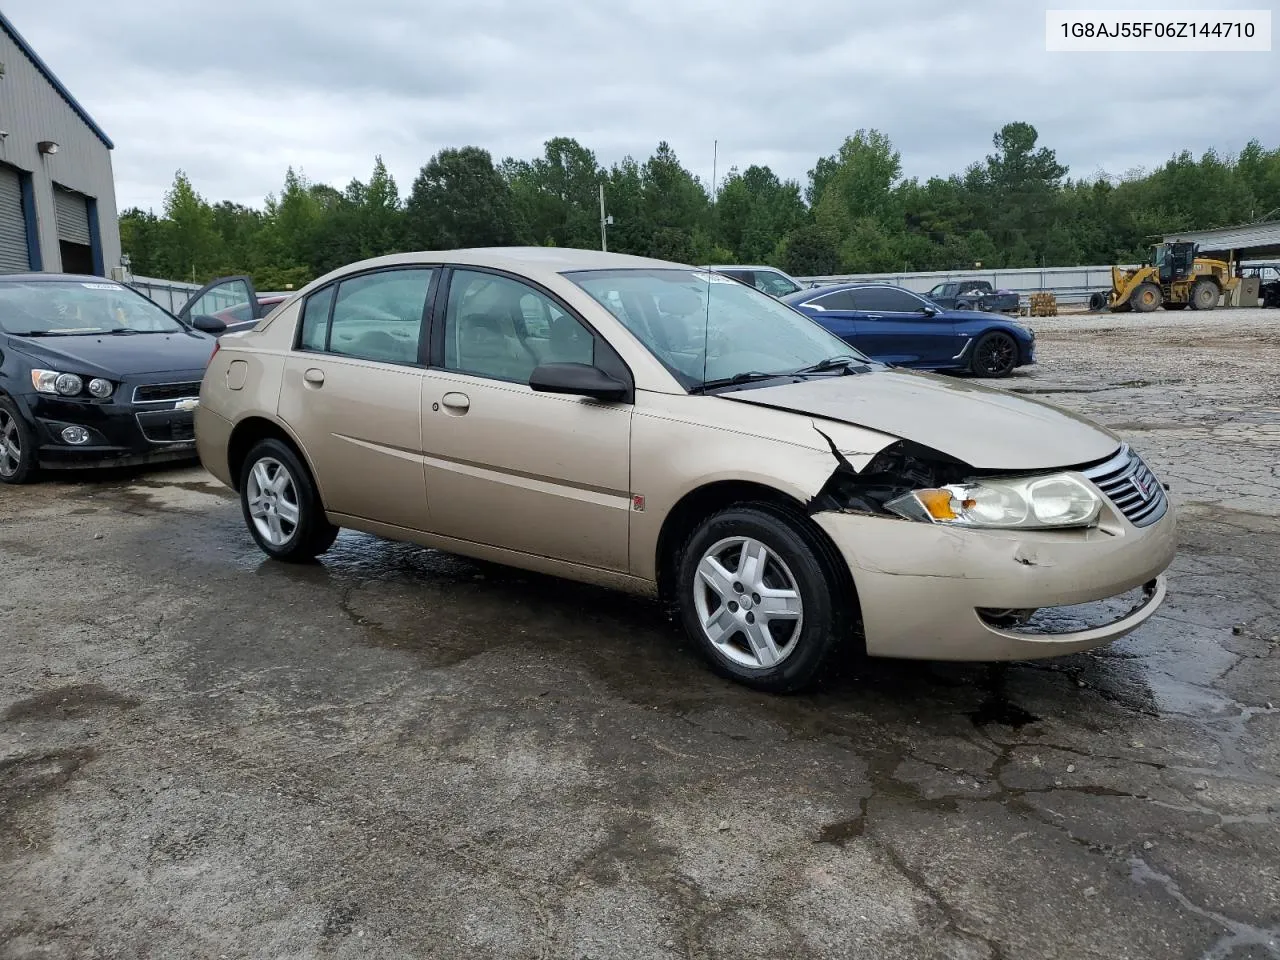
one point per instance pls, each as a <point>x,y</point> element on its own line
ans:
<point>73,307</point>
<point>707,328</point>
<point>775,284</point>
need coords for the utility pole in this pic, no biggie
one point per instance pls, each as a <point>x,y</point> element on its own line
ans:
<point>604,240</point>
<point>715,153</point>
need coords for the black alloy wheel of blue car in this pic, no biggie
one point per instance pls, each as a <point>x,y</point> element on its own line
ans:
<point>994,355</point>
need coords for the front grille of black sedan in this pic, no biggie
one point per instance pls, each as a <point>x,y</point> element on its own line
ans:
<point>162,392</point>
<point>1131,486</point>
<point>167,426</point>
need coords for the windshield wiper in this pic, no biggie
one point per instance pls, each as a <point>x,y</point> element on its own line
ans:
<point>750,376</point>
<point>842,363</point>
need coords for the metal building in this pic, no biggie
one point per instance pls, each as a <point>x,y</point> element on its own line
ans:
<point>57,191</point>
<point>1248,241</point>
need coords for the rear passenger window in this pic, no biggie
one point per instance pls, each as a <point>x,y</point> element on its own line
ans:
<point>315,320</point>
<point>378,316</point>
<point>840,300</point>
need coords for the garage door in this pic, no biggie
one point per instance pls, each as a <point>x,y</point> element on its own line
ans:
<point>13,225</point>
<point>72,215</point>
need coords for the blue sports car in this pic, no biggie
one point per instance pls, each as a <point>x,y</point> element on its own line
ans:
<point>906,329</point>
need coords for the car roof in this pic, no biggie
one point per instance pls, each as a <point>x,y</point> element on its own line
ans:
<point>743,266</point>
<point>543,264</point>
<point>544,259</point>
<point>856,285</point>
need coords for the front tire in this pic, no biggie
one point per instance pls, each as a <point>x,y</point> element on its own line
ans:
<point>17,445</point>
<point>281,505</point>
<point>1146,298</point>
<point>760,598</point>
<point>994,355</point>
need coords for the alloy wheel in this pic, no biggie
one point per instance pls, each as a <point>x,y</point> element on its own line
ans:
<point>748,602</point>
<point>996,355</point>
<point>10,445</point>
<point>273,501</point>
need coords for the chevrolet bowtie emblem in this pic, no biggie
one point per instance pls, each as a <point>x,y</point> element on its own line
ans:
<point>187,405</point>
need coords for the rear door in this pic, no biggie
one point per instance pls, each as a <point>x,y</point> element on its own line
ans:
<point>893,326</point>
<point>233,300</point>
<point>352,392</point>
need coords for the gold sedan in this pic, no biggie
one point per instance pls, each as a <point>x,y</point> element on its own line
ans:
<point>665,430</point>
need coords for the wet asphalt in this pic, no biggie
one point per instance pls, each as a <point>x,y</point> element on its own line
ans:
<point>399,753</point>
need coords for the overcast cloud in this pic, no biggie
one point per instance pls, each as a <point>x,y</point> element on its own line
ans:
<point>235,93</point>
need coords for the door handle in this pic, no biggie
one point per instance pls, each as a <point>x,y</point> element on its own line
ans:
<point>314,377</point>
<point>457,403</point>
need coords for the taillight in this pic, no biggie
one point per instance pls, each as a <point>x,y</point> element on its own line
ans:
<point>216,345</point>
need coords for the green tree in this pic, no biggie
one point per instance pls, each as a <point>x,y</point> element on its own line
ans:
<point>193,246</point>
<point>459,199</point>
<point>753,210</point>
<point>557,195</point>
<point>144,237</point>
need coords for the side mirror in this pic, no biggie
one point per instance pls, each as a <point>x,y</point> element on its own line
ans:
<point>579,379</point>
<point>929,311</point>
<point>207,324</point>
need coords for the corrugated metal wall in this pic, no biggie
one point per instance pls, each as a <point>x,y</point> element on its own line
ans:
<point>13,224</point>
<point>1254,239</point>
<point>170,294</point>
<point>31,110</point>
<point>1068,284</point>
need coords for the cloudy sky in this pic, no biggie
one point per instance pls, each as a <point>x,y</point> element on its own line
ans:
<point>235,92</point>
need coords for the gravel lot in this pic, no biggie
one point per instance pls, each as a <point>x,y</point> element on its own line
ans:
<point>398,753</point>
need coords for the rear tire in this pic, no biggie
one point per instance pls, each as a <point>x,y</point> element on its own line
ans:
<point>1204,295</point>
<point>281,505</point>
<point>760,597</point>
<point>994,355</point>
<point>1146,298</point>
<point>17,445</point>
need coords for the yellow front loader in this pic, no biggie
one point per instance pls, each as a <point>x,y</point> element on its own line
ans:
<point>1175,278</point>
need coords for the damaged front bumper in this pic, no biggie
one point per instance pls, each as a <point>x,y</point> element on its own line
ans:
<point>940,593</point>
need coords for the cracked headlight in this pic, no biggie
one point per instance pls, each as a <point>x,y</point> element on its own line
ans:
<point>1057,500</point>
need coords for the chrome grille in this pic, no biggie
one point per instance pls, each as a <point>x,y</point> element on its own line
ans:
<point>1131,486</point>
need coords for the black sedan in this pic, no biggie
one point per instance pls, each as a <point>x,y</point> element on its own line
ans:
<point>94,373</point>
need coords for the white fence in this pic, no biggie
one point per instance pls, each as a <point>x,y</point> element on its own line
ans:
<point>1068,284</point>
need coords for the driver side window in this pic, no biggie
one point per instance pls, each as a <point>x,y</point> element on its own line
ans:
<point>498,327</point>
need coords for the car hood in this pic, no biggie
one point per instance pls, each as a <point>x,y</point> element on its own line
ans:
<point>986,428</point>
<point>121,355</point>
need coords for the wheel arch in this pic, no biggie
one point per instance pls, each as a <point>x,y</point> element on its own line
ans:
<point>710,498</point>
<point>252,429</point>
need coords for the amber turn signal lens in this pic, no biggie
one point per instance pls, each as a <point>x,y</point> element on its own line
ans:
<point>937,502</point>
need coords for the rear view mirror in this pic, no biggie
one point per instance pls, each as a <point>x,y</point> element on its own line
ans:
<point>579,379</point>
<point>208,324</point>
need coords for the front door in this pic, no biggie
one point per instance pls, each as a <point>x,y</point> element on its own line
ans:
<point>894,326</point>
<point>538,473</point>
<point>233,300</point>
<point>352,393</point>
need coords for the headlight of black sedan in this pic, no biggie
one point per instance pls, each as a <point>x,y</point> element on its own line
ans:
<point>69,384</point>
